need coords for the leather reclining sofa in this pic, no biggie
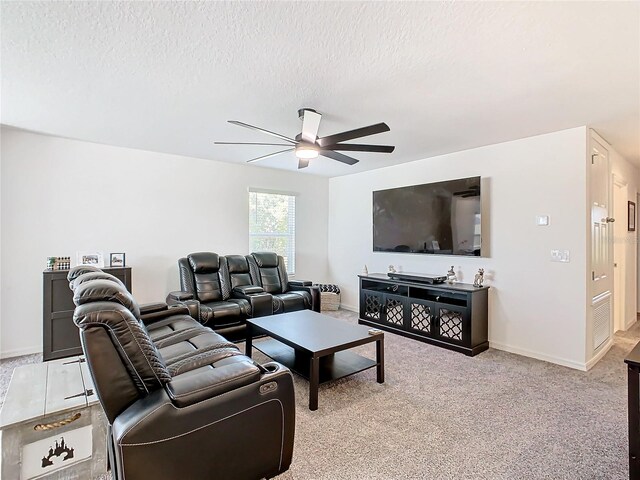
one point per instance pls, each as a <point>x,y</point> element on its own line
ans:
<point>223,291</point>
<point>180,400</point>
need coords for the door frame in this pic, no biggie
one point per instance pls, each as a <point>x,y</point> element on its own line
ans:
<point>619,249</point>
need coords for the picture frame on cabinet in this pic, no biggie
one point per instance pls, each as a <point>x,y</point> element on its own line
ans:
<point>117,260</point>
<point>94,259</point>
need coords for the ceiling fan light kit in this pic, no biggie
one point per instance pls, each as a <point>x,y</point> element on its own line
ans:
<point>306,150</point>
<point>308,146</point>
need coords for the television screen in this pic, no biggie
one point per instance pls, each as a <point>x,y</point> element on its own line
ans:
<point>433,218</point>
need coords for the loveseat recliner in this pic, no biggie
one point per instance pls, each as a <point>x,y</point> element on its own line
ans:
<point>180,400</point>
<point>223,291</point>
<point>207,290</point>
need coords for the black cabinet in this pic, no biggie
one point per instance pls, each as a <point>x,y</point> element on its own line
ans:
<point>633,410</point>
<point>61,337</point>
<point>450,316</point>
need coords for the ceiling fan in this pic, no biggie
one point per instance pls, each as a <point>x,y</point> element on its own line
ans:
<point>307,145</point>
<point>472,191</point>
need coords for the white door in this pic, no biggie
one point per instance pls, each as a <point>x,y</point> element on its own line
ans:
<point>601,277</point>
<point>619,253</point>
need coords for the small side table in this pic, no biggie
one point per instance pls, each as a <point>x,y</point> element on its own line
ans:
<point>52,424</point>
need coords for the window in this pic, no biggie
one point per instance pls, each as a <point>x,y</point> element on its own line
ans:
<point>272,225</point>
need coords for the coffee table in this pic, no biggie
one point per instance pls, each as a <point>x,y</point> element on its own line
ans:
<point>315,346</point>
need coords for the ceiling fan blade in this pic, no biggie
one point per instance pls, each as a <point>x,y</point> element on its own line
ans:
<point>351,134</point>
<point>303,163</point>
<point>354,147</point>
<point>339,157</point>
<point>310,125</point>
<point>246,125</point>
<point>270,155</point>
<point>252,143</point>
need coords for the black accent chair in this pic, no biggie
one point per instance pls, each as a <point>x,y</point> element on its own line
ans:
<point>268,271</point>
<point>187,404</point>
<point>207,290</point>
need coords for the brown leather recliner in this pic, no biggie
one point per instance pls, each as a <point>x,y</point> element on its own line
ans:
<point>268,271</point>
<point>186,404</point>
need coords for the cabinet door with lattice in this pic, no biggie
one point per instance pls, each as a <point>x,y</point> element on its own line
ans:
<point>371,305</point>
<point>453,324</point>
<point>422,316</point>
<point>394,310</point>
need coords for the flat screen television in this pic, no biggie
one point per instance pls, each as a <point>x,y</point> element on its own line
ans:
<point>441,218</point>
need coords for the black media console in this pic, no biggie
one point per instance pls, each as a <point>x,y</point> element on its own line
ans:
<point>450,316</point>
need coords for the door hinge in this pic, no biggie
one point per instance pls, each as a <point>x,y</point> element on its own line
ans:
<point>593,275</point>
<point>592,158</point>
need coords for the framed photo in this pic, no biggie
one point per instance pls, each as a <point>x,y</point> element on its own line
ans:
<point>116,260</point>
<point>631,214</point>
<point>95,259</point>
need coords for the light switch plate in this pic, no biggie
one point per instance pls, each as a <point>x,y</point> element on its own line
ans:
<point>560,256</point>
<point>542,220</point>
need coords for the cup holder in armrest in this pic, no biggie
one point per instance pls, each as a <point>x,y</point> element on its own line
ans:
<point>271,367</point>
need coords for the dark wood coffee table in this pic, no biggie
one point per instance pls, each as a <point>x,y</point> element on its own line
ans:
<point>314,346</point>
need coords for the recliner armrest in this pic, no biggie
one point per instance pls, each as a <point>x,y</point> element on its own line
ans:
<point>300,283</point>
<point>177,309</point>
<point>261,302</point>
<point>187,390</point>
<point>313,290</point>
<point>248,289</point>
<point>185,299</point>
<point>153,307</point>
<point>179,296</point>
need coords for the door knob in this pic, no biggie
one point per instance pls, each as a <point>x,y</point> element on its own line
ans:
<point>608,220</point>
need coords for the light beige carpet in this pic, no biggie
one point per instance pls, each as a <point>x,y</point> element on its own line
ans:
<point>442,415</point>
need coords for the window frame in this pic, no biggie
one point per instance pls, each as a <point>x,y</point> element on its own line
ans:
<point>290,236</point>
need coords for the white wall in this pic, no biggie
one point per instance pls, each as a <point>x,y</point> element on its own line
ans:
<point>624,170</point>
<point>59,196</point>
<point>537,308</point>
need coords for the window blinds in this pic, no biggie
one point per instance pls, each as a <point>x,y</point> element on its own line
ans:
<point>272,225</point>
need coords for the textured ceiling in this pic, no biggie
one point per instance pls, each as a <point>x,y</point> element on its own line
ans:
<point>446,77</point>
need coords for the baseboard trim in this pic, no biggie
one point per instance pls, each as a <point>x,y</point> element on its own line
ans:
<point>601,353</point>
<point>520,351</point>
<point>351,308</point>
<point>630,323</point>
<point>18,352</point>
<point>539,356</point>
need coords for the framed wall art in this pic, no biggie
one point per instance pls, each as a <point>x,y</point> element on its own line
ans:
<point>95,259</point>
<point>117,260</point>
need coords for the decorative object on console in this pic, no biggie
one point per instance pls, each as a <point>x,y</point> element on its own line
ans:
<point>58,263</point>
<point>479,278</point>
<point>392,269</point>
<point>365,270</point>
<point>631,213</point>
<point>117,260</point>
<point>451,276</point>
<point>94,259</point>
<point>51,263</point>
<point>308,146</point>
